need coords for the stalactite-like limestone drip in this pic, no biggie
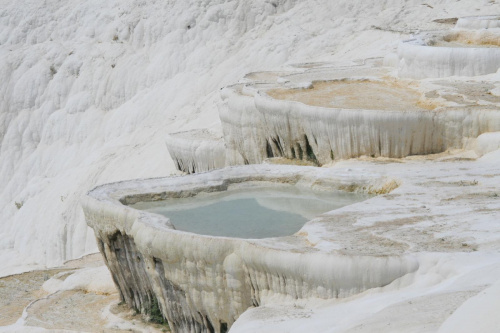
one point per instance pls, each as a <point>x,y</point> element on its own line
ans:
<point>359,111</point>
<point>296,130</point>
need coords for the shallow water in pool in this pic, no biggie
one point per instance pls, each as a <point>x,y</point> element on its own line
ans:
<point>250,213</point>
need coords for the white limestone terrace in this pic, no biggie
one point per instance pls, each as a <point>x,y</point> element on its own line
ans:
<point>445,212</point>
<point>441,218</point>
<point>89,89</point>
<point>196,150</point>
<point>455,53</point>
<point>204,283</point>
<point>479,22</point>
<point>326,114</point>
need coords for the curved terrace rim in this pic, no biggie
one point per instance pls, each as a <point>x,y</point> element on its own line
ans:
<point>133,194</point>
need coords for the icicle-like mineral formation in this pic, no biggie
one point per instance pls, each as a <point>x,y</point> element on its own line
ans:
<point>196,150</point>
<point>261,127</point>
<point>458,53</point>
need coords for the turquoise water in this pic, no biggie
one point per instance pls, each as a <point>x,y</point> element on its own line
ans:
<point>249,213</point>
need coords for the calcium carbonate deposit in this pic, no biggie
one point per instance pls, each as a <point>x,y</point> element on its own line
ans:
<point>104,104</point>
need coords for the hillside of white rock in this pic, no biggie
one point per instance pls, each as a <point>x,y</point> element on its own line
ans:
<point>89,91</point>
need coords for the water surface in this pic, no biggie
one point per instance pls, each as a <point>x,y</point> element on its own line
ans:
<point>249,213</point>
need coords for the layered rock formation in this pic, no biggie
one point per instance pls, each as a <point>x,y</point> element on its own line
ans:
<point>202,283</point>
<point>479,22</point>
<point>261,127</point>
<point>196,150</point>
<point>323,115</point>
<point>470,49</point>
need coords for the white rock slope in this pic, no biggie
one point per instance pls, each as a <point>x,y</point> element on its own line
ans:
<point>89,89</point>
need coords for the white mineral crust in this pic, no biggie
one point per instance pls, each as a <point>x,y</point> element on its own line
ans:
<point>479,22</point>
<point>418,60</point>
<point>89,89</point>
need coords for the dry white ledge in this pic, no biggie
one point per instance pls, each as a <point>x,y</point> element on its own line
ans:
<point>196,150</point>
<point>260,127</point>
<point>257,126</point>
<point>479,22</point>
<point>455,53</point>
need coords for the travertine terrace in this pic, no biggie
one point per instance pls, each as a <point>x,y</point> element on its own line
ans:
<point>196,150</point>
<point>320,114</point>
<point>397,98</point>
<point>479,22</point>
<point>205,283</point>
<point>339,115</point>
<point>471,49</point>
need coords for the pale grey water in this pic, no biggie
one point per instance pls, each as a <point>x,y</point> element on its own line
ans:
<point>250,213</point>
